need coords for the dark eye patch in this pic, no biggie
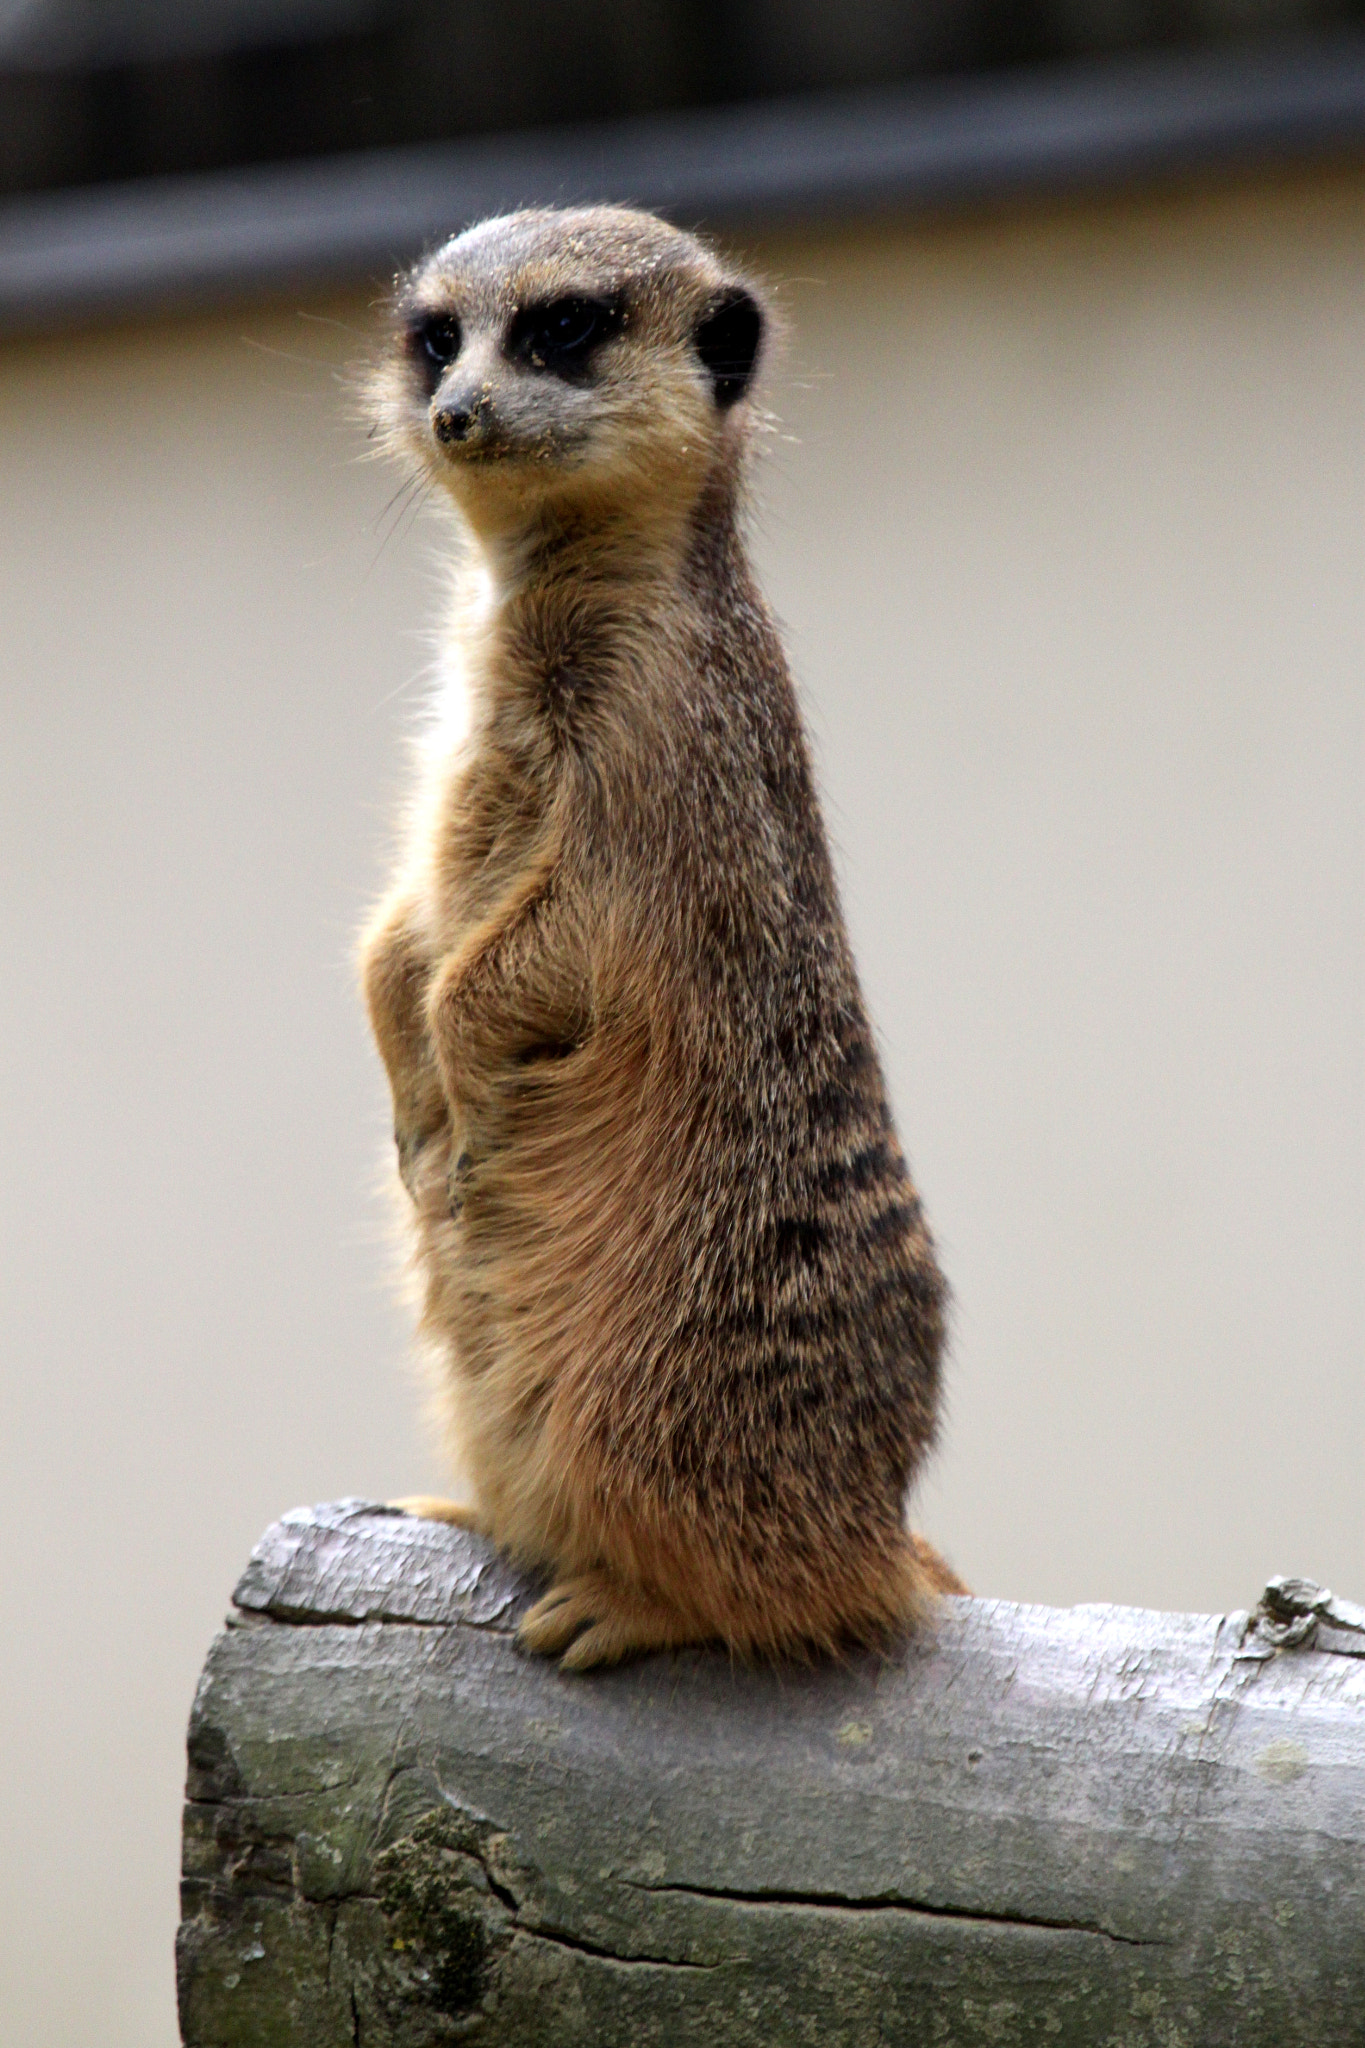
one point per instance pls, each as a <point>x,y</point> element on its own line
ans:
<point>434,342</point>
<point>561,334</point>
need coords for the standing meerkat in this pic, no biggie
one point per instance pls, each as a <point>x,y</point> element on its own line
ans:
<point>680,1294</point>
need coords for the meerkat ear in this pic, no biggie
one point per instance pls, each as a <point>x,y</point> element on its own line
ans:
<point>728,339</point>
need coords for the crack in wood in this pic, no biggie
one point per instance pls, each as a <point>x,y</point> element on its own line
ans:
<point>582,1946</point>
<point>890,1903</point>
<point>333,1916</point>
<point>560,1936</point>
<point>501,1892</point>
<point>284,1616</point>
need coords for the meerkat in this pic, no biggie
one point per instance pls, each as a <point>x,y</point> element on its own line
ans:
<point>682,1301</point>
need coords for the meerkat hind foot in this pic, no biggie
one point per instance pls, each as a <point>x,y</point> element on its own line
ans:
<point>593,1619</point>
<point>429,1507</point>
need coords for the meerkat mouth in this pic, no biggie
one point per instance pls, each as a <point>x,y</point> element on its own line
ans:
<point>502,451</point>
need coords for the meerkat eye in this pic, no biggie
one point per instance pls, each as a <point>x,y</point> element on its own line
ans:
<point>728,341</point>
<point>434,339</point>
<point>561,334</point>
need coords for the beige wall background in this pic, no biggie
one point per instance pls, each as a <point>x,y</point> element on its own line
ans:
<point>1066,520</point>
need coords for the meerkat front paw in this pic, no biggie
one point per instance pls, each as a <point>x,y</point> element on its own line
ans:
<point>429,1507</point>
<point>594,1619</point>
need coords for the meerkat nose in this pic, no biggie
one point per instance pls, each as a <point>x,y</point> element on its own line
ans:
<point>452,422</point>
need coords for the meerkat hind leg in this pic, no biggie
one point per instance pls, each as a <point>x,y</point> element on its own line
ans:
<point>594,1619</point>
<point>429,1507</point>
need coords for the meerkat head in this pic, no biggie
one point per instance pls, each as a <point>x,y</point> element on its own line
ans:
<point>567,360</point>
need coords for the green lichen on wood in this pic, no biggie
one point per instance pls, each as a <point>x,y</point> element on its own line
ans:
<point>444,1924</point>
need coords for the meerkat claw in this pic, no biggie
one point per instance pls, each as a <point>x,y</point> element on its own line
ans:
<point>551,1625</point>
<point>595,1620</point>
<point>598,1645</point>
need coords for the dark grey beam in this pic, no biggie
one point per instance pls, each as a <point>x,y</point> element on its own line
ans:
<point>163,243</point>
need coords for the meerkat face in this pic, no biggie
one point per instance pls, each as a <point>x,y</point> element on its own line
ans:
<point>567,357</point>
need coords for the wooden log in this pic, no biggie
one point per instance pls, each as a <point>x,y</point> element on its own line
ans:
<point>1092,1826</point>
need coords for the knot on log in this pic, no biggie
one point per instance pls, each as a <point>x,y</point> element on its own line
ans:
<point>1296,1614</point>
<point>447,1924</point>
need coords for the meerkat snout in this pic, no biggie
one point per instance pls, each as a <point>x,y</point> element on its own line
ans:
<point>679,1292</point>
<point>451,422</point>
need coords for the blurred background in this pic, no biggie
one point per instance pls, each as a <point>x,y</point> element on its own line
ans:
<point>1065,520</point>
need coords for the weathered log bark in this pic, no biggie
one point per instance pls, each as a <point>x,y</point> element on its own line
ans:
<point>1091,1826</point>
